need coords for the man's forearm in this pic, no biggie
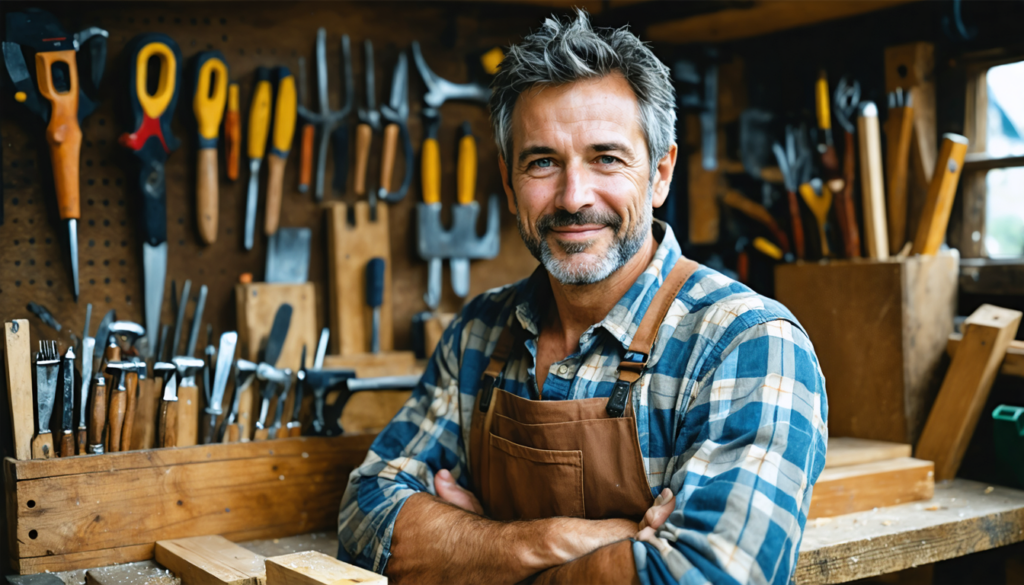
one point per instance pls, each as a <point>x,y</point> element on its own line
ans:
<point>609,564</point>
<point>434,541</point>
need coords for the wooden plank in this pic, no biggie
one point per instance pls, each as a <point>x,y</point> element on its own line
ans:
<point>854,488</point>
<point>758,18</point>
<point>980,161</point>
<point>142,573</point>
<point>99,510</point>
<point>963,517</point>
<point>931,229</point>
<point>314,568</point>
<point>844,451</point>
<point>1013,363</point>
<point>971,240</point>
<point>18,365</point>
<point>350,247</point>
<point>987,335</point>
<point>211,560</point>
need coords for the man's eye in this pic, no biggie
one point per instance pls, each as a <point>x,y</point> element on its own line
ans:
<point>542,163</point>
<point>607,159</point>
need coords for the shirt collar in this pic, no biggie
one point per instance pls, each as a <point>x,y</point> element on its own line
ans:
<point>624,318</point>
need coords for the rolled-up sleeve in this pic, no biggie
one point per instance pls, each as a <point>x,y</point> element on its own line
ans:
<point>420,440</point>
<point>756,431</point>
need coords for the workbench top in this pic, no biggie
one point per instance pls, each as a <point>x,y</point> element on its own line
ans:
<point>964,517</point>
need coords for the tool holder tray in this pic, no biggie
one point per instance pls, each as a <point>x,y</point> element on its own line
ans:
<point>96,510</point>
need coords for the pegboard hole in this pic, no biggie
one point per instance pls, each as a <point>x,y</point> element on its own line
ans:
<point>33,534</point>
<point>31,503</point>
<point>902,70</point>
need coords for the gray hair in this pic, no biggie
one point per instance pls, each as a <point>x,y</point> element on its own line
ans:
<point>564,51</point>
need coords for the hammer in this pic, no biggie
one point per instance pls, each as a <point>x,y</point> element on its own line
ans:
<point>187,368</point>
<point>231,430</point>
<point>167,423</point>
<point>125,334</point>
<point>270,376</point>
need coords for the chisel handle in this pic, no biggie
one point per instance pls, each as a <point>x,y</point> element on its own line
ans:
<point>387,156</point>
<point>796,224</point>
<point>364,137</point>
<point>83,441</point>
<point>168,424</point>
<point>67,444</point>
<point>849,229</point>
<point>466,186</point>
<point>931,231</point>
<point>42,446</point>
<point>207,194</point>
<point>294,429</point>
<point>261,434</point>
<point>275,186</point>
<point>97,416</point>
<point>234,433</point>
<point>233,133</point>
<point>63,133</point>
<point>872,182</point>
<point>208,428</point>
<point>306,157</point>
<point>898,132</point>
<point>115,419</point>
<point>431,171</point>
<point>131,384</point>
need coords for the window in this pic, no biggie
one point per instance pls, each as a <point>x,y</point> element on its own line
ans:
<point>1004,187</point>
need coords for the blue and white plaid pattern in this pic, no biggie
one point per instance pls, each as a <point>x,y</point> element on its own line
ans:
<point>731,415</point>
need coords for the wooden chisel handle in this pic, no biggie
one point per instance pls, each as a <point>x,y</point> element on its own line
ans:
<point>387,157</point>
<point>233,132</point>
<point>83,441</point>
<point>275,186</point>
<point>131,384</point>
<point>261,434</point>
<point>872,182</point>
<point>97,416</point>
<point>42,446</point>
<point>293,430</point>
<point>207,428</point>
<point>306,157</point>
<point>931,230</point>
<point>207,195</point>
<point>899,130</point>
<point>797,224</point>
<point>233,433</point>
<point>67,444</point>
<point>63,133</point>
<point>115,420</point>
<point>168,424</point>
<point>849,229</point>
<point>364,136</point>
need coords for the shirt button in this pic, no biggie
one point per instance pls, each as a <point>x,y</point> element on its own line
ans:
<point>563,369</point>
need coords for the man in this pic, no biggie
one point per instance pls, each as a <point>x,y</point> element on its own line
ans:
<point>623,415</point>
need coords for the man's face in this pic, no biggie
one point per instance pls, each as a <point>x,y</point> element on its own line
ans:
<point>580,177</point>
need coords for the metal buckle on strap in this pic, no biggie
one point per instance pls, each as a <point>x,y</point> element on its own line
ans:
<point>617,401</point>
<point>486,392</point>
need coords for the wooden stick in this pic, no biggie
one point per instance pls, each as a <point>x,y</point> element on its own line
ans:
<point>316,568</point>
<point>131,384</point>
<point>1013,363</point>
<point>931,231</point>
<point>987,335</point>
<point>18,365</point>
<point>872,187</point>
<point>899,129</point>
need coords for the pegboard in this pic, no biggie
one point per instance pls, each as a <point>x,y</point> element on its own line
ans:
<point>32,264</point>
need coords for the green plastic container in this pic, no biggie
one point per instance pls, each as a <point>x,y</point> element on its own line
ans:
<point>1008,432</point>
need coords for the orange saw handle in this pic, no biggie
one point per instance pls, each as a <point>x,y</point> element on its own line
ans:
<point>63,133</point>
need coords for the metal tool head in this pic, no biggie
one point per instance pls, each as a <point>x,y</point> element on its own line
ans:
<point>440,90</point>
<point>187,368</point>
<point>321,382</point>
<point>225,354</point>
<point>846,98</point>
<point>396,111</point>
<point>126,333</point>
<point>268,373</point>
<point>166,371</point>
<point>118,370</point>
<point>197,319</point>
<point>137,366</point>
<point>288,255</point>
<point>103,332</point>
<point>370,114</point>
<point>461,241</point>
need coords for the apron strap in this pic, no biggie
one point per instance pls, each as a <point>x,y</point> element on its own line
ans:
<point>492,372</point>
<point>633,363</point>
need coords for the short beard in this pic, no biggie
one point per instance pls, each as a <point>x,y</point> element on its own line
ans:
<point>623,246</point>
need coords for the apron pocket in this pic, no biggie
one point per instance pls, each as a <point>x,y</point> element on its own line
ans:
<point>527,483</point>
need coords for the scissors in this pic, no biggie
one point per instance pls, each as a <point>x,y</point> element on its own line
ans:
<point>151,141</point>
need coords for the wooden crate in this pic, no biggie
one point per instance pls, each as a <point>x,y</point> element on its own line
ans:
<point>879,330</point>
<point>90,511</point>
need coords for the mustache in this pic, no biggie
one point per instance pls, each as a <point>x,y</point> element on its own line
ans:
<point>563,218</point>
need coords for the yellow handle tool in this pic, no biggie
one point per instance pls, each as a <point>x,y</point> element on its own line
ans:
<point>259,128</point>
<point>819,208</point>
<point>285,111</point>
<point>931,231</point>
<point>466,166</point>
<point>431,170</point>
<point>208,105</point>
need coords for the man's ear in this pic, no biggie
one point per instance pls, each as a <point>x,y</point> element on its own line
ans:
<point>663,176</point>
<point>506,184</point>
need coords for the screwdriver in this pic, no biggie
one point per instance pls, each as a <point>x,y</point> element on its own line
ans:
<point>375,297</point>
<point>308,132</point>
<point>233,132</point>
<point>211,93</point>
<point>281,141</point>
<point>259,127</point>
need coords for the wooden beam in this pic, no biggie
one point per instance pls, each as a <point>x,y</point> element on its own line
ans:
<point>1013,363</point>
<point>18,365</point>
<point>843,451</point>
<point>316,568</point>
<point>854,488</point>
<point>980,161</point>
<point>762,17</point>
<point>987,335</point>
<point>992,276</point>
<point>211,560</point>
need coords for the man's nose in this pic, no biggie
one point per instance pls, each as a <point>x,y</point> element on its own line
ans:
<point>577,191</point>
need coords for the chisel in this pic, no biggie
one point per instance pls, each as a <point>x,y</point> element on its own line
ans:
<point>67,386</point>
<point>281,143</point>
<point>931,230</point>
<point>179,319</point>
<point>231,431</point>
<point>259,128</point>
<point>271,378</point>
<point>225,355</point>
<point>233,133</point>
<point>47,364</point>
<point>116,406</point>
<point>167,419</point>
<point>211,94</point>
<point>294,426</point>
<point>97,414</point>
<point>88,347</point>
<point>375,298</point>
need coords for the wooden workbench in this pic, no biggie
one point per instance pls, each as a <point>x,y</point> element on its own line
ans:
<point>964,517</point>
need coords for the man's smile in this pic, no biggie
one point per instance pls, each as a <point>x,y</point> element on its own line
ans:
<point>578,233</point>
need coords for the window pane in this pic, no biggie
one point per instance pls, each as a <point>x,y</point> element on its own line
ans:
<point>1006,110</point>
<point>1004,213</point>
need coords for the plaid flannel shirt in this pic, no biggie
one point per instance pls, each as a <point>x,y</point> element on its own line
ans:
<point>730,414</point>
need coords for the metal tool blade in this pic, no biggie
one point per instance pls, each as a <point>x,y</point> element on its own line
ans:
<point>370,115</point>
<point>251,197</point>
<point>197,319</point>
<point>399,101</point>
<point>179,319</point>
<point>103,334</point>
<point>166,371</point>
<point>440,90</point>
<point>225,355</point>
<point>383,383</point>
<point>73,254</point>
<point>321,70</point>
<point>321,348</point>
<point>67,385</point>
<point>459,268</point>
<point>47,364</point>
<point>154,267</point>
<point>433,295</point>
<point>278,333</point>
<point>288,255</point>
<point>88,347</point>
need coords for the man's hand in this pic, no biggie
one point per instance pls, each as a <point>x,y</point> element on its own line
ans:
<point>455,494</point>
<point>656,515</point>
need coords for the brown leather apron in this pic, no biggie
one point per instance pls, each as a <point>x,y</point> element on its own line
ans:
<point>533,459</point>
